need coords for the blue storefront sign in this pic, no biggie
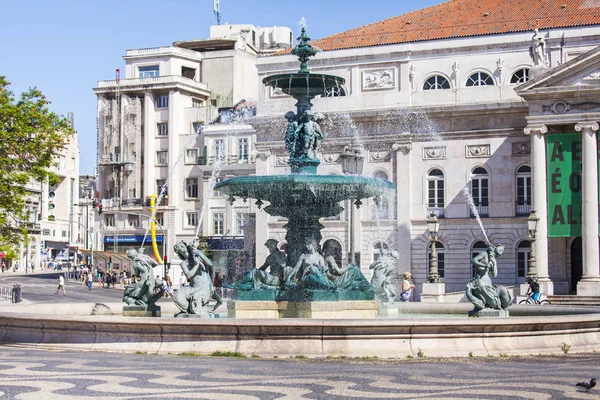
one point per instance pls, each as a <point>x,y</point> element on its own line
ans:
<point>131,239</point>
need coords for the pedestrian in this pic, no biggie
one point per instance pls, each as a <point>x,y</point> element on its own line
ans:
<point>124,279</point>
<point>61,285</point>
<point>3,266</point>
<point>407,288</point>
<point>182,280</point>
<point>90,280</point>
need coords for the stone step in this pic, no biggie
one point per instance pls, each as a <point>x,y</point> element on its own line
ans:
<point>575,300</point>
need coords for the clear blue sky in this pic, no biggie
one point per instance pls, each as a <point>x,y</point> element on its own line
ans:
<point>65,46</point>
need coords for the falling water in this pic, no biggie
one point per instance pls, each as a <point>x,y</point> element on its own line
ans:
<point>467,194</point>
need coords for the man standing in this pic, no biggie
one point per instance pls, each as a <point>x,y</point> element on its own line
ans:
<point>61,285</point>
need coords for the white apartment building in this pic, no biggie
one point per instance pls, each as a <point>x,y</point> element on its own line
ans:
<point>160,122</point>
<point>437,107</point>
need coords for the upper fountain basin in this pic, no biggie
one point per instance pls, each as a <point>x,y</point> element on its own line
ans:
<point>326,188</point>
<point>301,84</point>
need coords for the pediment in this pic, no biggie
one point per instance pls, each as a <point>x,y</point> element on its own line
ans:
<point>580,73</point>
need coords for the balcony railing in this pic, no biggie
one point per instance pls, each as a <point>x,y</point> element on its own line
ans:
<point>438,211</point>
<point>32,226</point>
<point>153,80</point>
<point>522,208</point>
<point>163,50</point>
<point>482,210</point>
<point>229,160</point>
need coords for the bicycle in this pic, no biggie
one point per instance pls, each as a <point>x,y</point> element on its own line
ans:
<point>530,300</point>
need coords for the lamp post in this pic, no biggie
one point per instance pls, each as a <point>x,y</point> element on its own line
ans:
<point>352,164</point>
<point>532,223</point>
<point>433,227</point>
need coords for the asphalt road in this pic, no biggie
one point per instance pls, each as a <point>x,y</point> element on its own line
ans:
<point>46,374</point>
<point>41,286</point>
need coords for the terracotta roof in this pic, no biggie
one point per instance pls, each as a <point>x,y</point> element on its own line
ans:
<point>461,18</point>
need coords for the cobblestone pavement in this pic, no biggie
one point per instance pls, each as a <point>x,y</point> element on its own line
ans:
<point>47,375</point>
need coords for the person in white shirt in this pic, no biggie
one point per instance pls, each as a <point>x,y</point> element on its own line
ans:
<point>182,280</point>
<point>61,285</point>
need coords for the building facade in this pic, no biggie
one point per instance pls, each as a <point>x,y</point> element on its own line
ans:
<point>439,112</point>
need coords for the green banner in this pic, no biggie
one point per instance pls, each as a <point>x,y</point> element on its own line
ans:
<point>564,184</point>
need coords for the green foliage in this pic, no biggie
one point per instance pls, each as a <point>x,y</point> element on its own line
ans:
<point>233,354</point>
<point>420,353</point>
<point>565,348</point>
<point>31,136</point>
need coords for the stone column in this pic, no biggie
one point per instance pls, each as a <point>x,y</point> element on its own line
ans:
<point>540,205</point>
<point>590,282</point>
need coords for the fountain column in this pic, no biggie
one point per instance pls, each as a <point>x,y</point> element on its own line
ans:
<point>590,281</point>
<point>540,205</point>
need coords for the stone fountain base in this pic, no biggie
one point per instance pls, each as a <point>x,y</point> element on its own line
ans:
<point>151,310</point>
<point>345,309</point>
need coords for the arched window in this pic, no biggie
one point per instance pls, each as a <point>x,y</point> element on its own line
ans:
<point>381,208</point>
<point>523,250</point>
<point>435,192</point>
<point>477,248</point>
<point>480,79</point>
<point>377,247</point>
<point>523,201</point>
<point>436,82</point>
<point>520,76</point>
<point>480,191</point>
<point>439,255</point>
<point>334,248</point>
<point>335,92</point>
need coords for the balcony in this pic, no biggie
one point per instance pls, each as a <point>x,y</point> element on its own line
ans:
<point>482,209</point>
<point>152,82</point>
<point>437,210</point>
<point>163,51</point>
<point>31,226</point>
<point>522,208</point>
<point>228,160</point>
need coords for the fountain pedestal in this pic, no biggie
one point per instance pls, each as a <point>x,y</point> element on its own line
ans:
<point>345,309</point>
<point>151,310</point>
<point>433,292</point>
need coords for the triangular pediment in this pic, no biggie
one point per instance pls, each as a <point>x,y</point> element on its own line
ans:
<point>580,73</point>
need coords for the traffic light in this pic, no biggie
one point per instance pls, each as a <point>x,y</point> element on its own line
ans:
<point>110,259</point>
<point>165,259</point>
<point>39,216</point>
<point>99,209</point>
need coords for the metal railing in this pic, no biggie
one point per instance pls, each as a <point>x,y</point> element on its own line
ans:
<point>482,210</point>
<point>522,208</point>
<point>437,211</point>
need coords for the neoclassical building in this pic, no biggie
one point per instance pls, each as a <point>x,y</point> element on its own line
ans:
<point>463,110</point>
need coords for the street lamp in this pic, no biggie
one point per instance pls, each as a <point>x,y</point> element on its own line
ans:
<point>532,224</point>
<point>352,164</point>
<point>433,227</point>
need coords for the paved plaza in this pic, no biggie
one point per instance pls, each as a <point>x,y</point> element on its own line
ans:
<point>47,374</point>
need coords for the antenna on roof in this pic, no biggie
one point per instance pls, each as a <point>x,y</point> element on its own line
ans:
<point>217,10</point>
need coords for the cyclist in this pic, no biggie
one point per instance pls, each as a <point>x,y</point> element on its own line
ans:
<point>534,289</point>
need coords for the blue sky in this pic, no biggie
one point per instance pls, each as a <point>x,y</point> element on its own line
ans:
<point>65,46</point>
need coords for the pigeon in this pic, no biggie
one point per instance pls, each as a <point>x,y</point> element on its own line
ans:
<point>587,385</point>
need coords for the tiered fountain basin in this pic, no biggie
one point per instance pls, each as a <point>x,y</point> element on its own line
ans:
<point>304,84</point>
<point>434,330</point>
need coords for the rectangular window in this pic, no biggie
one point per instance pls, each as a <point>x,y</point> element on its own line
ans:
<point>162,101</point>
<point>191,187</point>
<point>160,218</point>
<point>160,183</point>
<point>192,218</point>
<point>522,263</point>
<point>109,220</point>
<point>219,149</point>
<point>64,233</point>
<point>46,232</point>
<point>191,156</point>
<point>239,224</point>
<point>162,157</point>
<point>197,127</point>
<point>149,71</point>
<point>134,221</point>
<point>219,223</point>
<point>243,150</point>
<point>162,129</point>
<point>197,102</point>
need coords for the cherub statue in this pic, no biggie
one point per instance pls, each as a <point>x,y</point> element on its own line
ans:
<point>480,290</point>
<point>309,135</point>
<point>145,291</point>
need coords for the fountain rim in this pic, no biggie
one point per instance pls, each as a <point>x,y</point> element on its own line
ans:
<point>307,179</point>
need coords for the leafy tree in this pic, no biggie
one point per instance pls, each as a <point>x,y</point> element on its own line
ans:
<point>31,136</point>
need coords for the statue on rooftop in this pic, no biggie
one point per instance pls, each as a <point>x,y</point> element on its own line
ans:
<point>537,49</point>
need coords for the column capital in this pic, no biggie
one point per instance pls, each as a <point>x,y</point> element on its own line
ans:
<point>404,147</point>
<point>587,126</point>
<point>534,129</point>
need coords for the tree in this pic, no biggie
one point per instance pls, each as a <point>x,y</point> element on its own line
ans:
<point>31,136</point>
